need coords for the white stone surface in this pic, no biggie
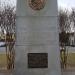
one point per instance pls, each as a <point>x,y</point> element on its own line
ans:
<point>37,32</point>
<point>22,63</point>
<point>50,9</point>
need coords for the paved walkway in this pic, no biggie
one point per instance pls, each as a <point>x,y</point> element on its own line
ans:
<point>69,71</point>
<point>65,72</point>
<point>5,73</point>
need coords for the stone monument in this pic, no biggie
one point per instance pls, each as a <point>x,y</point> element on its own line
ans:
<point>37,40</point>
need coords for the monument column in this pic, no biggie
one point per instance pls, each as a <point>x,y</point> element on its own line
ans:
<point>37,41</point>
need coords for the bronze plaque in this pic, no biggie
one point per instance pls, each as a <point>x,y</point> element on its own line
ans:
<point>37,4</point>
<point>37,60</point>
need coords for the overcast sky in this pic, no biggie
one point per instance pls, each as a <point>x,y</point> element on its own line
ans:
<point>61,3</point>
<point>66,3</point>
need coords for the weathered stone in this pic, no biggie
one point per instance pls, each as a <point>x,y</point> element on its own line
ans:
<point>37,32</point>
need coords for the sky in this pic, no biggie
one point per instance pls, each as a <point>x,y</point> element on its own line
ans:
<point>10,2</point>
<point>66,4</point>
<point>61,3</point>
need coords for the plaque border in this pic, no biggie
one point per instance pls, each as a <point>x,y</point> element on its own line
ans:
<point>44,66</point>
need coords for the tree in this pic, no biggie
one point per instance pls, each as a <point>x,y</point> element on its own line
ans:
<point>64,27</point>
<point>8,19</point>
<point>72,20</point>
<point>72,16</point>
<point>7,25</point>
<point>64,38</point>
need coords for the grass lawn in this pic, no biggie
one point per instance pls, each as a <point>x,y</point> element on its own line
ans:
<point>3,61</point>
<point>71,59</point>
